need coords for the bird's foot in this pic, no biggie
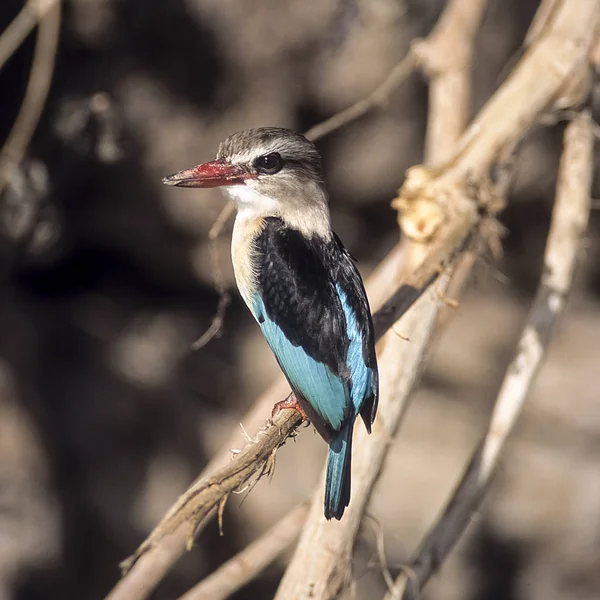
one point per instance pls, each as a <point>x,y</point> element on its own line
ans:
<point>290,402</point>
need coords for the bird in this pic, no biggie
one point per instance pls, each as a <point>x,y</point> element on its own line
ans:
<point>300,284</point>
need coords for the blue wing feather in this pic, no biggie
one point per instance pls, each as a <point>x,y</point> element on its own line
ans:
<point>362,376</point>
<point>333,398</point>
<point>328,394</point>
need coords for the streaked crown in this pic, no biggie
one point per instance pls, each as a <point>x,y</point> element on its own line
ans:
<point>271,150</point>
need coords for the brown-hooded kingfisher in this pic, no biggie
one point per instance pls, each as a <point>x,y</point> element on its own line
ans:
<point>300,284</point>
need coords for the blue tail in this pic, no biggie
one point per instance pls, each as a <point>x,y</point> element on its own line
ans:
<point>337,485</point>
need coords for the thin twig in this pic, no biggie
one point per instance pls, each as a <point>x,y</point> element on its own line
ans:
<point>205,495</point>
<point>221,220</point>
<point>245,566</point>
<point>21,26</point>
<point>38,85</point>
<point>569,222</point>
<point>216,325</point>
<point>378,97</point>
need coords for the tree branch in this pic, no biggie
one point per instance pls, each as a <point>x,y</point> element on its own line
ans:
<point>21,26</point>
<point>254,460</point>
<point>246,565</point>
<point>48,13</point>
<point>446,58</point>
<point>216,325</point>
<point>569,222</point>
<point>378,97</point>
<point>536,85</point>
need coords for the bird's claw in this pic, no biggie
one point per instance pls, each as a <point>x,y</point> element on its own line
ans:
<point>290,402</point>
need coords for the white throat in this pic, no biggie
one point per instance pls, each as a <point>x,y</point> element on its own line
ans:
<point>247,198</point>
<point>308,218</point>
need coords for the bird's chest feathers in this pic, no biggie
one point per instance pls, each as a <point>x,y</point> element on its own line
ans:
<point>244,255</point>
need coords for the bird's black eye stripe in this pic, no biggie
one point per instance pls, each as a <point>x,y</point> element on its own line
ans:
<point>269,163</point>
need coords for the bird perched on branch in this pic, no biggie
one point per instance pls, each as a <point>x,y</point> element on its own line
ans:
<point>300,284</point>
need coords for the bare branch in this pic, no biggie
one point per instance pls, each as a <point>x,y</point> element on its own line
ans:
<point>446,79</point>
<point>21,26</point>
<point>246,565</point>
<point>205,495</point>
<point>218,320</point>
<point>542,18</point>
<point>216,325</point>
<point>569,221</point>
<point>535,86</point>
<point>446,58</point>
<point>378,97</point>
<point>48,11</point>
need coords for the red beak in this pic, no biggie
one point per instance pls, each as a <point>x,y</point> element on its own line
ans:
<point>211,174</point>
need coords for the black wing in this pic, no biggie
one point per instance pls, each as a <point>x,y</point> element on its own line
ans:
<point>298,280</point>
<point>299,293</point>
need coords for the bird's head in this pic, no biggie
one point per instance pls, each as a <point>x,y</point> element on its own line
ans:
<point>266,171</point>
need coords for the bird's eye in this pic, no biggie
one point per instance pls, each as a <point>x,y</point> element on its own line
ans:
<point>269,163</point>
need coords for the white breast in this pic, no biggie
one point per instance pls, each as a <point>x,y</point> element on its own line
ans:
<point>247,226</point>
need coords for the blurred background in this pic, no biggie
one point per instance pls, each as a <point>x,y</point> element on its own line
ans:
<point>106,414</point>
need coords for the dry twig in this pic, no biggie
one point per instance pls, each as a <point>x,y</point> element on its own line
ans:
<point>48,13</point>
<point>378,97</point>
<point>246,565</point>
<point>224,298</point>
<point>569,221</point>
<point>22,25</point>
<point>206,494</point>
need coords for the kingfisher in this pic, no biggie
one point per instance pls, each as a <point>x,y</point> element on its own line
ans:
<point>300,284</point>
